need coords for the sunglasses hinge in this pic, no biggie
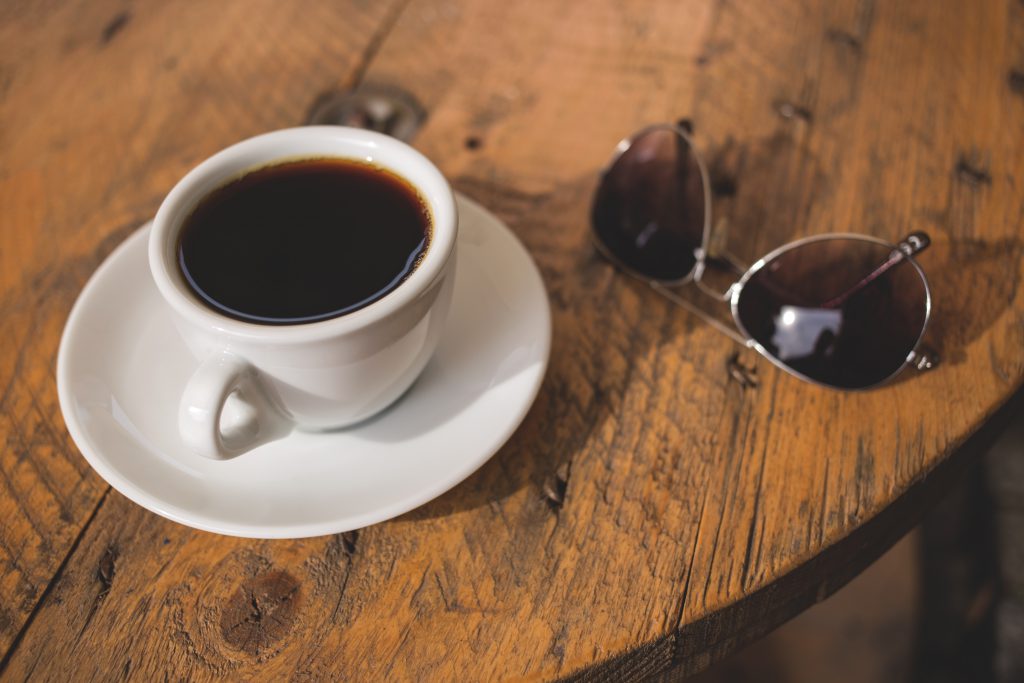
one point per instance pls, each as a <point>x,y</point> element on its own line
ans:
<point>922,359</point>
<point>914,243</point>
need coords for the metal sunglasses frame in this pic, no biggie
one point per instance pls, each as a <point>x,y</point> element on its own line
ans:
<point>918,358</point>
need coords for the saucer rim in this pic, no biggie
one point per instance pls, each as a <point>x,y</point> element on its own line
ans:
<point>110,474</point>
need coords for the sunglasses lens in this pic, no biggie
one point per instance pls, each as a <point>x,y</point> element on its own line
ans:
<point>841,311</point>
<point>650,211</point>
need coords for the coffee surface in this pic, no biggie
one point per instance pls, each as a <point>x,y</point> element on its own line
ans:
<point>303,241</point>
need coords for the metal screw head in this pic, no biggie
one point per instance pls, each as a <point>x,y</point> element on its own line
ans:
<point>374,106</point>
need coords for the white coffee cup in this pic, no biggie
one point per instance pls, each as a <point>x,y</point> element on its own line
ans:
<point>255,383</point>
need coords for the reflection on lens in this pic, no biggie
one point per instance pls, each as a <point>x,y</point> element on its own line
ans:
<point>649,211</point>
<point>822,309</point>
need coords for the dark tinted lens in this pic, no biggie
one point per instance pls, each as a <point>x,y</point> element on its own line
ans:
<point>649,211</point>
<point>833,312</point>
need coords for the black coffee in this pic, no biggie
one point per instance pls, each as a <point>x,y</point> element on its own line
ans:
<point>303,241</point>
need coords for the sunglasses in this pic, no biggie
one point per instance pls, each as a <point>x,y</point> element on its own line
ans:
<point>843,311</point>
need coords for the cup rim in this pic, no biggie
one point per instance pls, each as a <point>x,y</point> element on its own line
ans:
<point>377,148</point>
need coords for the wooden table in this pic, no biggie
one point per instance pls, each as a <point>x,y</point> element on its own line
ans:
<point>669,497</point>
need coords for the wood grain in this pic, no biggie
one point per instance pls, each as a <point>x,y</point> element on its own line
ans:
<point>653,512</point>
<point>103,106</point>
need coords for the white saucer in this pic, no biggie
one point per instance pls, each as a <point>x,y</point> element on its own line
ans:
<point>122,367</point>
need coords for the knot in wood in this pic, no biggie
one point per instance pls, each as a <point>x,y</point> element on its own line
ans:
<point>971,173</point>
<point>114,26</point>
<point>723,185</point>
<point>843,37</point>
<point>1016,80</point>
<point>261,612</point>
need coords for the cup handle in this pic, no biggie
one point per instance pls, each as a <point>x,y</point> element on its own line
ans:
<point>225,411</point>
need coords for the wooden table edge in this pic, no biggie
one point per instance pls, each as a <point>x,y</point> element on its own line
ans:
<point>696,646</point>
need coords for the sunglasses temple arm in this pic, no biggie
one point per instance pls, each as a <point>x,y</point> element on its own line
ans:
<point>912,244</point>
<point>683,303</point>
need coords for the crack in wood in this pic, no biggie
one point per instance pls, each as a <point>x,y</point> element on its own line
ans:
<point>348,542</point>
<point>444,598</point>
<point>57,575</point>
<point>755,524</point>
<point>373,47</point>
<point>105,575</point>
<point>555,485</point>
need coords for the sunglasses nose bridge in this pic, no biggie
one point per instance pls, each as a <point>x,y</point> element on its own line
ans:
<point>726,295</point>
